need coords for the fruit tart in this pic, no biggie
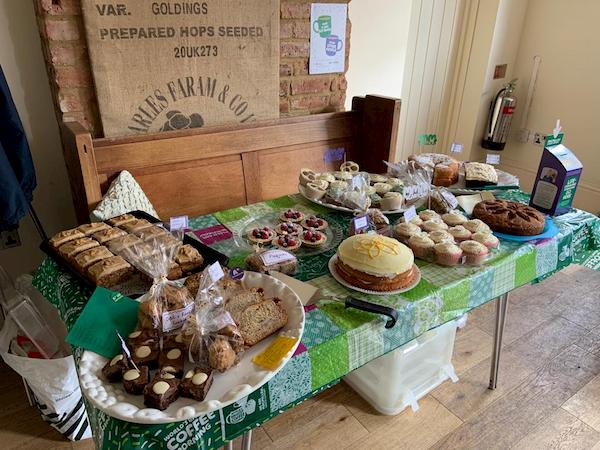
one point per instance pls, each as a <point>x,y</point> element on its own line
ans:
<point>315,222</point>
<point>313,238</point>
<point>287,242</point>
<point>291,215</point>
<point>288,228</point>
<point>261,235</point>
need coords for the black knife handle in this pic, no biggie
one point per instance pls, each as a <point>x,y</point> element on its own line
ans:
<point>352,302</point>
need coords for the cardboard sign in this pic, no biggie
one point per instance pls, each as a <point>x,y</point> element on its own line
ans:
<point>556,181</point>
<point>171,65</point>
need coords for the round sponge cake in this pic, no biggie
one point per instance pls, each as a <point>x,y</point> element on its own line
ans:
<point>375,262</point>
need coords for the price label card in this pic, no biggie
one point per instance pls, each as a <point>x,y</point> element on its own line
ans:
<point>179,223</point>
<point>171,320</point>
<point>355,182</point>
<point>456,148</point>
<point>427,139</point>
<point>334,154</point>
<point>271,257</point>
<point>215,271</point>
<point>450,198</point>
<point>360,224</point>
<point>414,191</point>
<point>272,356</point>
<point>492,159</point>
<point>410,214</point>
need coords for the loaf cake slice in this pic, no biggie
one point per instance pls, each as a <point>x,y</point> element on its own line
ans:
<point>239,302</point>
<point>259,321</point>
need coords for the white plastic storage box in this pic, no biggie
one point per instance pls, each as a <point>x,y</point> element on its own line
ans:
<point>398,379</point>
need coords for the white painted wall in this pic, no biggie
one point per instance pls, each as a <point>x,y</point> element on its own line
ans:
<point>566,36</point>
<point>23,65</point>
<point>378,47</point>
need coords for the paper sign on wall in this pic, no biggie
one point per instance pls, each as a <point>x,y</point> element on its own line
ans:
<point>171,65</point>
<point>328,38</point>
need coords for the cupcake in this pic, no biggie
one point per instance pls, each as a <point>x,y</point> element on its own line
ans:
<point>391,201</point>
<point>475,252</point>
<point>460,233</point>
<point>447,254</point>
<point>404,231</point>
<point>441,236</point>
<point>476,226</point>
<point>454,218</point>
<point>487,239</point>
<point>421,245</point>
<point>434,225</point>
<point>428,214</point>
<point>416,220</point>
<point>382,188</point>
<point>325,176</point>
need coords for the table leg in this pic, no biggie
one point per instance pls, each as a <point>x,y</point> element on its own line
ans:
<point>247,440</point>
<point>501,308</point>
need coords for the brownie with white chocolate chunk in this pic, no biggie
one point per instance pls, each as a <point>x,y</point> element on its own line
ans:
<point>161,392</point>
<point>113,370</point>
<point>146,355</point>
<point>172,358</point>
<point>196,383</point>
<point>134,380</point>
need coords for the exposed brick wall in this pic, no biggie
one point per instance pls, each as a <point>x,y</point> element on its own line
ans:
<point>63,39</point>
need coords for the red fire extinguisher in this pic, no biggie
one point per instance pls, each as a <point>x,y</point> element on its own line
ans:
<point>501,113</point>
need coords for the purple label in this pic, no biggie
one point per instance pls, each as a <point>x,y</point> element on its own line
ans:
<point>213,234</point>
<point>334,154</point>
<point>237,273</point>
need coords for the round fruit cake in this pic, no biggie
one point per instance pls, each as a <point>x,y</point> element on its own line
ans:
<point>376,263</point>
<point>510,217</point>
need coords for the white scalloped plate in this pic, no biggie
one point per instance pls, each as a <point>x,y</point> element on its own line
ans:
<point>227,388</point>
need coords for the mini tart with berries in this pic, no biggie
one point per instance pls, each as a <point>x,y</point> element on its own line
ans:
<point>290,228</point>
<point>261,235</point>
<point>291,215</point>
<point>313,238</point>
<point>315,222</point>
<point>287,242</point>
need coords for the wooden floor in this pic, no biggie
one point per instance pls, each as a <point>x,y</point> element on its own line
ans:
<point>548,394</point>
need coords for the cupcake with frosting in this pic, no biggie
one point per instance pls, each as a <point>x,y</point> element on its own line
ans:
<point>487,239</point>
<point>454,218</point>
<point>441,236</point>
<point>475,252</point>
<point>460,233</point>
<point>404,231</point>
<point>428,214</point>
<point>476,226</point>
<point>434,225</point>
<point>447,254</point>
<point>422,246</point>
<point>391,201</point>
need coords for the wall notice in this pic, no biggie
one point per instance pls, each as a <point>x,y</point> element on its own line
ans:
<point>328,37</point>
<point>170,65</point>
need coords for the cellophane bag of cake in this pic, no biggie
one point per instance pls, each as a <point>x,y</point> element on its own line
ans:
<point>357,195</point>
<point>167,304</point>
<point>210,332</point>
<point>416,180</point>
<point>441,200</point>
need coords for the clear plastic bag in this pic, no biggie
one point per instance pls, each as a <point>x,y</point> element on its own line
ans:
<point>210,332</point>
<point>166,306</point>
<point>416,180</point>
<point>357,195</point>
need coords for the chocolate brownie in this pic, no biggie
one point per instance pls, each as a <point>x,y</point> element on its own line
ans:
<point>134,380</point>
<point>510,217</point>
<point>139,337</point>
<point>161,392</point>
<point>172,358</point>
<point>113,370</point>
<point>196,383</point>
<point>146,355</point>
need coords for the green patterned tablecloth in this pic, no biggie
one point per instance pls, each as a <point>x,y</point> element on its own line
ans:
<point>335,341</point>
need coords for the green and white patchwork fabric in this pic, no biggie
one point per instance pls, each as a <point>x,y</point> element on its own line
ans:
<point>336,340</point>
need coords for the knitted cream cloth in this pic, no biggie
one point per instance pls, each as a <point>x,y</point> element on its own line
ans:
<point>123,195</point>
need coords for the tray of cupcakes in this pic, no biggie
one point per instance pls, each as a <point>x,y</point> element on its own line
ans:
<point>97,253</point>
<point>448,239</point>
<point>293,230</point>
<point>337,190</point>
<point>198,347</point>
